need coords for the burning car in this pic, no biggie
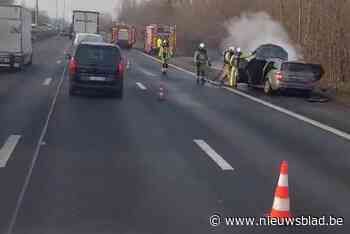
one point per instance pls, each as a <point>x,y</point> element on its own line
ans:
<point>270,69</point>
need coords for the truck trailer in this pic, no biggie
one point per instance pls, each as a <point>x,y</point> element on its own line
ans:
<point>85,22</point>
<point>15,36</point>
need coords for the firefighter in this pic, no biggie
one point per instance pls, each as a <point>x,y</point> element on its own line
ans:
<point>234,64</point>
<point>201,61</point>
<point>164,55</point>
<point>228,54</point>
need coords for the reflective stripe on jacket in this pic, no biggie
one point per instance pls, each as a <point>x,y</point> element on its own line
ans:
<point>159,42</point>
<point>164,53</point>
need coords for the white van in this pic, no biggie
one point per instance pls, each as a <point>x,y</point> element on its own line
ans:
<point>15,36</point>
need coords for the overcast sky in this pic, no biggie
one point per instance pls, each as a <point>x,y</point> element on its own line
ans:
<point>95,5</point>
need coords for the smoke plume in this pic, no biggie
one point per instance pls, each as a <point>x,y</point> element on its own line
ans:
<point>249,31</point>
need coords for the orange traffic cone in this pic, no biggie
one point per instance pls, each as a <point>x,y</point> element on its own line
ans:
<point>161,92</point>
<point>281,204</point>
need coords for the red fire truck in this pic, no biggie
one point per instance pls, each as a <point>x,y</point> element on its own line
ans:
<point>124,35</point>
<point>154,32</point>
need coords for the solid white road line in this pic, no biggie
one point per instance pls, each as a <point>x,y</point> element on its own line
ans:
<point>292,114</point>
<point>35,157</point>
<point>7,149</point>
<point>141,86</point>
<point>47,81</point>
<point>213,155</point>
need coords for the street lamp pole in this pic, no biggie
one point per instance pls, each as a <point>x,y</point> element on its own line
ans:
<point>37,12</point>
<point>64,12</point>
<point>56,13</point>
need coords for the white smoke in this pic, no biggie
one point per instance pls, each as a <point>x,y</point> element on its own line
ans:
<point>249,31</point>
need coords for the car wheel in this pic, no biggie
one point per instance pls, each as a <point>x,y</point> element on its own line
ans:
<point>72,91</point>
<point>307,93</point>
<point>267,88</point>
<point>20,67</point>
<point>119,94</point>
<point>30,60</point>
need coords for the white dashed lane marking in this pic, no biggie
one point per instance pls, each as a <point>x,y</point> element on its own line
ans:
<point>7,149</point>
<point>47,81</point>
<point>220,161</point>
<point>141,86</point>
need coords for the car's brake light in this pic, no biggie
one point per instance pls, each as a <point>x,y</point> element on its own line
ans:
<point>279,76</point>
<point>73,66</point>
<point>120,70</point>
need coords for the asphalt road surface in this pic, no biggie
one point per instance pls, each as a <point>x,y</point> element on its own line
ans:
<point>93,164</point>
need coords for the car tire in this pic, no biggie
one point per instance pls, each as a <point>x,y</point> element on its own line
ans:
<point>307,93</point>
<point>72,91</point>
<point>119,94</point>
<point>20,67</point>
<point>267,88</point>
<point>30,60</point>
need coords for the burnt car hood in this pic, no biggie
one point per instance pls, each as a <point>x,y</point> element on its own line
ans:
<point>270,52</point>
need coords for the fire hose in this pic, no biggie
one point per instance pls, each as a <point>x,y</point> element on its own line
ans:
<point>219,73</point>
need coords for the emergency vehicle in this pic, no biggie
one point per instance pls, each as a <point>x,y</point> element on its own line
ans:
<point>154,32</point>
<point>124,35</point>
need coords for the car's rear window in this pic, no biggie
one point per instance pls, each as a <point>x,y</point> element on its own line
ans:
<point>107,56</point>
<point>90,38</point>
<point>316,69</point>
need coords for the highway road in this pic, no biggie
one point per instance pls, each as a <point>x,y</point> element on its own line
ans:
<point>93,164</point>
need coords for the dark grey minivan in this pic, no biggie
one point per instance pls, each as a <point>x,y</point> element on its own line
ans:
<point>96,66</point>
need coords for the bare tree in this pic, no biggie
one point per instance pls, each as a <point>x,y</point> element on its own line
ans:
<point>106,22</point>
